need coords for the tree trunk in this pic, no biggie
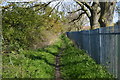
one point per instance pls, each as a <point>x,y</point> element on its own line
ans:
<point>94,20</point>
<point>106,14</point>
<point>94,16</point>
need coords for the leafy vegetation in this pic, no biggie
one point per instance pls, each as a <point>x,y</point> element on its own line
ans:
<point>24,31</point>
<point>39,63</point>
<point>26,28</point>
<point>76,64</point>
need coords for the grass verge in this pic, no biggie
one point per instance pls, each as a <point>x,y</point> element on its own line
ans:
<point>75,63</point>
<point>30,63</point>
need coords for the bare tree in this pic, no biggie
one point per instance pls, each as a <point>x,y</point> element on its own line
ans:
<point>99,13</point>
<point>107,12</point>
<point>76,18</point>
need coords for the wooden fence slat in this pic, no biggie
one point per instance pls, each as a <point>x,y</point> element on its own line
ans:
<point>116,50</point>
<point>118,58</point>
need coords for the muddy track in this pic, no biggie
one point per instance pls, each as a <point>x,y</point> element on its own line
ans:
<point>57,67</point>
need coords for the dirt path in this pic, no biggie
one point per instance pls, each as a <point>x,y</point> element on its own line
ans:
<point>57,67</point>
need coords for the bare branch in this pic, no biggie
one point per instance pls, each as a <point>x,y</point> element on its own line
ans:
<point>83,8</point>
<point>54,7</point>
<point>87,5</point>
<point>80,15</point>
<point>75,11</point>
<point>43,6</point>
<point>5,7</point>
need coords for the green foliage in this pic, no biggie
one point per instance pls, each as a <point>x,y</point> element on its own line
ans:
<point>25,27</point>
<point>18,25</point>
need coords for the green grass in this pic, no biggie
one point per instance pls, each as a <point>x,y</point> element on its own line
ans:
<point>75,63</point>
<point>30,64</point>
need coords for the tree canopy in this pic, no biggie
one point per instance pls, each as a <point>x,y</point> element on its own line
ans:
<point>25,26</point>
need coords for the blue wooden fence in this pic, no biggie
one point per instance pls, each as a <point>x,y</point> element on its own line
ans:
<point>102,44</point>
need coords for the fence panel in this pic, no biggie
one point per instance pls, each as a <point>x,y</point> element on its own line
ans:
<point>118,56</point>
<point>95,45</point>
<point>116,30</point>
<point>118,51</point>
<point>101,44</point>
<point>111,50</point>
<point>85,39</point>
